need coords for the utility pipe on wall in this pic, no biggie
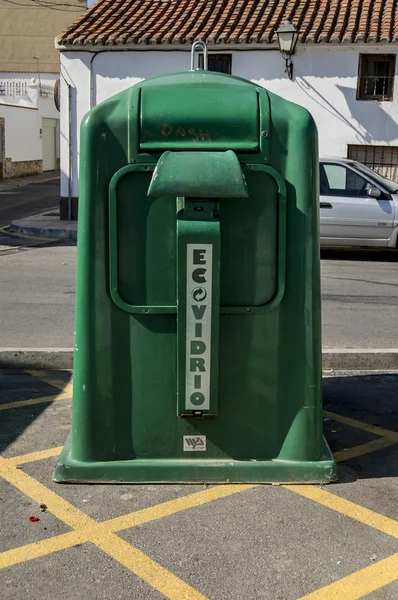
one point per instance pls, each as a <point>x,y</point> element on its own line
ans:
<point>70,151</point>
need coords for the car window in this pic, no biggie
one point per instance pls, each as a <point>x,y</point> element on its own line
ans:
<point>339,180</point>
<point>391,186</point>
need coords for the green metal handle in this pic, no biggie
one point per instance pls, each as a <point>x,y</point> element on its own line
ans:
<point>113,248</point>
<point>281,254</point>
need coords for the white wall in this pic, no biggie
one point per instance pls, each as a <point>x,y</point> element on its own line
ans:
<point>325,82</point>
<point>22,133</point>
<point>48,109</point>
<point>75,90</point>
<point>23,117</point>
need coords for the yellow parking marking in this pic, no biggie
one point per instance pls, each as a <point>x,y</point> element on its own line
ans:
<point>66,388</point>
<point>152,513</point>
<point>39,374</point>
<point>140,517</point>
<point>56,178</point>
<point>29,237</point>
<point>90,530</point>
<point>32,401</point>
<point>66,392</point>
<point>34,456</point>
<point>361,583</point>
<point>103,535</point>
<point>347,508</point>
<point>42,548</point>
<point>361,425</point>
<point>147,569</point>
<point>58,383</point>
<point>59,507</point>
<point>86,532</point>
<point>362,449</point>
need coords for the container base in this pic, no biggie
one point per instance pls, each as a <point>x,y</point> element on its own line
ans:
<point>171,470</point>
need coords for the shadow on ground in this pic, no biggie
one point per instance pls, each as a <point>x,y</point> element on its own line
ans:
<point>362,255</point>
<point>14,244</point>
<point>16,387</point>
<point>367,398</point>
<point>371,399</point>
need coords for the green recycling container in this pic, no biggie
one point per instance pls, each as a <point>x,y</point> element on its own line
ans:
<point>198,315</point>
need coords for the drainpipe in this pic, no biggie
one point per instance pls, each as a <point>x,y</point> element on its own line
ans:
<point>92,99</point>
<point>70,129</point>
<point>70,151</point>
<point>92,80</point>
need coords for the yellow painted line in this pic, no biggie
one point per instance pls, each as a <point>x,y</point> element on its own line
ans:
<point>361,425</point>
<point>39,374</point>
<point>147,569</point>
<point>33,401</point>
<point>361,583</point>
<point>172,507</point>
<point>67,540</point>
<point>45,180</point>
<point>34,456</point>
<point>62,509</point>
<point>23,235</point>
<point>42,548</point>
<point>90,530</point>
<point>347,508</point>
<point>362,449</point>
<point>102,535</point>
<point>66,387</point>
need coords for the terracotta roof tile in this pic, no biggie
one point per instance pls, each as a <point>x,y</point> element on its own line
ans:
<point>122,22</point>
<point>387,21</point>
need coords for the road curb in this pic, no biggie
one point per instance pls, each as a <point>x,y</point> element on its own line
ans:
<point>333,359</point>
<point>357,359</point>
<point>36,358</point>
<point>45,232</point>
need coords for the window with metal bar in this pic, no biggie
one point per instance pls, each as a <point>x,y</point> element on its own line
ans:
<point>382,159</point>
<point>222,63</point>
<point>376,77</point>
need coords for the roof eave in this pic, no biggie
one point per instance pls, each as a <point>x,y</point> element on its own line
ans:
<point>115,47</point>
<point>158,47</point>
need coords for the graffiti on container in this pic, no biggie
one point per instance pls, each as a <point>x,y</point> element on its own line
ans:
<point>198,135</point>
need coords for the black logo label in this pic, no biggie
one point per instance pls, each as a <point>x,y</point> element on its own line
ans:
<point>199,294</point>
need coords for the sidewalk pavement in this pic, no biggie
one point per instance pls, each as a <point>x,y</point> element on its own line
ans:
<point>46,225</point>
<point>199,542</point>
<point>16,182</point>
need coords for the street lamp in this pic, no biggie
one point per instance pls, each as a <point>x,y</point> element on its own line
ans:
<point>287,40</point>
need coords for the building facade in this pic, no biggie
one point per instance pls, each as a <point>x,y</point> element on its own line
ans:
<point>345,70</point>
<point>29,69</point>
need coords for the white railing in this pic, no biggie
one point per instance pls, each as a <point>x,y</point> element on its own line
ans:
<point>13,88</point>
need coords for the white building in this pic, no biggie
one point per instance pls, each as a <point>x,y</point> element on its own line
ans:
<point>29,125</point>
<point>345,69</point>
<point>29,67</point>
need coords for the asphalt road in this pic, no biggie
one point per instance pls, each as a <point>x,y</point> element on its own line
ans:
<point>25,196</point>
<point>360,299</point>
<point>359,291</point>
<point>359,288</point>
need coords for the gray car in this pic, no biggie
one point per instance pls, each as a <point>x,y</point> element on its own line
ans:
<point>358,207</point>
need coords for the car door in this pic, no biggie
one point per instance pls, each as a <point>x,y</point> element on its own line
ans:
<point>349,216</point>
